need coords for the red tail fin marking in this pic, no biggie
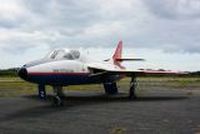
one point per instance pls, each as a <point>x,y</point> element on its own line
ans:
<point>118,54</point>
<point>118,51</point>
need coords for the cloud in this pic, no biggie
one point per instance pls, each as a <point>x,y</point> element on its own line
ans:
<point>170,26</point>
<point>174,25</point>
<point>146,23</point>
<point>176,9</point>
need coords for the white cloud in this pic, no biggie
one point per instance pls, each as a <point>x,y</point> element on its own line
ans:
<point>176,9</point>
<point>11,9</point>
<point>170,26</point>
<point>104,29</point>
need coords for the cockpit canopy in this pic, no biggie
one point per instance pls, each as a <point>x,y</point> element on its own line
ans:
<point>64,54</point>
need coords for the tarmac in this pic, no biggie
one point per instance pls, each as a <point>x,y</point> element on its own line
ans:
<point>155,111</point>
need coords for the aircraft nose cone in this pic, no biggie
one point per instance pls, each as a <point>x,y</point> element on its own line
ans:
<point>23,73</point>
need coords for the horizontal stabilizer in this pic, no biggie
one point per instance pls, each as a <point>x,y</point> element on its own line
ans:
<point>130,59</point>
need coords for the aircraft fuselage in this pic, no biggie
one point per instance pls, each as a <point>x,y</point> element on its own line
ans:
<point>62,73</point>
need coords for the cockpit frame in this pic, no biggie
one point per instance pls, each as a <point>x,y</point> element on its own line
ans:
<point>63,54</point>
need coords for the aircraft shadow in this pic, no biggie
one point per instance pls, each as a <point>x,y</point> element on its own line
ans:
<point>75,101</point>
<point>102,98</point>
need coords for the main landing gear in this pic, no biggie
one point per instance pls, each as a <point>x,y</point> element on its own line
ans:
<point>133,85</point>
<point>111,88</point>
<point>58,96</point>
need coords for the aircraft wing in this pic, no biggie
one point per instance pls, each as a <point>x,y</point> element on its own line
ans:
<point>102,70</point>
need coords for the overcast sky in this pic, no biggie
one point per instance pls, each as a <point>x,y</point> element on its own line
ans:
<point>165,32</point>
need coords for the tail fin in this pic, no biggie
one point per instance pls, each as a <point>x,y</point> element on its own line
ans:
<point>118,52</point>
<point>118,55</point>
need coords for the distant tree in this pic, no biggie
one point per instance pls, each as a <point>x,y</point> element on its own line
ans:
<point>197,73</point>
<point>161,70</point>
<point>12,72</point>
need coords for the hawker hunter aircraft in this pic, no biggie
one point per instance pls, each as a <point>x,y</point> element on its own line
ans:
<point>63,67</point>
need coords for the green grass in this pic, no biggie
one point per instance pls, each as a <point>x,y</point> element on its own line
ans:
<point>14,86</point>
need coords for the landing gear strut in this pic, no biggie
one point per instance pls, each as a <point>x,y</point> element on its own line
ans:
<point>42,92</point>
<point>133,84</point>
<point>58,96</point>
<point>111,88</point>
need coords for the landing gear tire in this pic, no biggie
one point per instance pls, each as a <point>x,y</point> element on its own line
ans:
<point>42,92</point>
<point>58,96</point>
<point>57,101</point>
<point>133,85</point>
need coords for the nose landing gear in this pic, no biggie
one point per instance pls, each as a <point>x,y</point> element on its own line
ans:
<point>58,96</point>
<point>42,92</point>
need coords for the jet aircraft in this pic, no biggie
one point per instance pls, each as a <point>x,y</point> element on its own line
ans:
<point>64,67</point>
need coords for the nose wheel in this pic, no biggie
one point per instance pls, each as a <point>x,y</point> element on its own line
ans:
<point>133,85</point>
<point>57,101</point>
<point>42,92</point>
<point>58,96</point>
